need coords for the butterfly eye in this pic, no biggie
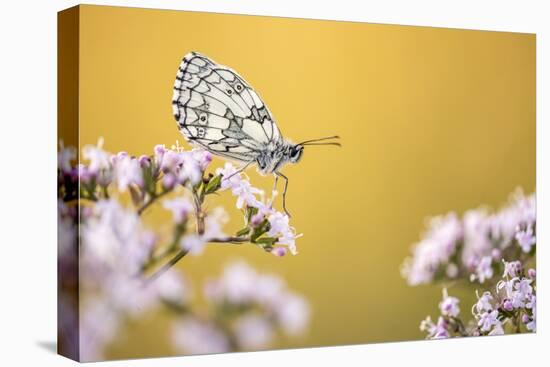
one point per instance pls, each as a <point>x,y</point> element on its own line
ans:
<point>296,154</point>
<point>239,87</point>
<point>203,118</point>
<point>229,91</point>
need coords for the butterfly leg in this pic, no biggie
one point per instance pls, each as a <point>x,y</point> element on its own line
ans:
<point>275,185</point>
<point>239,170</point>
<point>279,174</point>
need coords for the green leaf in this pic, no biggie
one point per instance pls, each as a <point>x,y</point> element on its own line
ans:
<point>136,196</point>
<point>270,241</point>
<point>250,212</point>
<point>148,179</point>
<point>266,243</point>
<point>243,232</point>
<point>213,185</point>
<point>260,230</point>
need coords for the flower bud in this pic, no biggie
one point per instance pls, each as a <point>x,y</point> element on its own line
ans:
<point>169,181</point>
<point>279,251</point>
<point>144,161</point>
<point>256,219</point>
<point>507,305</point>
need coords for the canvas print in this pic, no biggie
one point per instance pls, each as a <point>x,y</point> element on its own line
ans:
<point>241,183</point>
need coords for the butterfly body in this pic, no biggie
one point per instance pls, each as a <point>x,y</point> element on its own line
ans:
<point>216,109</point>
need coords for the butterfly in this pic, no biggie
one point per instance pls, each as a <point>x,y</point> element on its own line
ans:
<point>217,110</point>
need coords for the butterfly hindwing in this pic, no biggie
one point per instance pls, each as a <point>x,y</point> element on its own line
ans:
<point>220,111</point>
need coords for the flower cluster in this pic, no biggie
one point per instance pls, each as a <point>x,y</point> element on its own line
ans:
<point>262,219</point>
<point>115,248</point>
<point>249,308</point>
<point>127,268</point>
<point>483,249</point>
<point>511,305</point>
<point>474,245</point>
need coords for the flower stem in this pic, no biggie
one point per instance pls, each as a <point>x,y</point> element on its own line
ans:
<point>167,266</point>
<point>151,201</point>
<point>181,254</point>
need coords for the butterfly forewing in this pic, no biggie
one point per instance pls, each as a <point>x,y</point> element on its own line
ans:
<point>218,110</point>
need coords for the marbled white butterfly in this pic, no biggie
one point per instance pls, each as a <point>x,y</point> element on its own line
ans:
<point>216,109</point>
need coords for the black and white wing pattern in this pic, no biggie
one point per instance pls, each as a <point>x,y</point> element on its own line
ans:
<point>218,110</point>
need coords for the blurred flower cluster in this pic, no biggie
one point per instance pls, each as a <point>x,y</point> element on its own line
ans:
<point>124,268</point>
<point>245,312</point>
<point>492,251</point>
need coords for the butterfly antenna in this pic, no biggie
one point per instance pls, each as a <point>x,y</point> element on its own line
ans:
<point>306,142</point>
<point>331,143</point>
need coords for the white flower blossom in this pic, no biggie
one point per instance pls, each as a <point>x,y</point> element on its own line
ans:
<point>449,305</point>
<point>488,319</point>
<point>512,269</point>
<point>526,238</point>
<point>127,171</point>
<point>180,208</point>
<point>483,270</point>
<point>435,331</point>
<point>241,285</point>
<point>64,158</point>
<point>99,159</point>
<point>253,332</point>
<point>435,249</point>
<point>195,336</point>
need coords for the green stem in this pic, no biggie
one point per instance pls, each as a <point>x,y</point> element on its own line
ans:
<point>181,254</point>
<point>151,201</point>
<point>167,266</point>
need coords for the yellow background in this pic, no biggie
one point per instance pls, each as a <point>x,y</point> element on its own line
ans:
<point>431,120</point>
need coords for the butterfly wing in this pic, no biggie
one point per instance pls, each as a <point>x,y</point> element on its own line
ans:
<point>218,110</point>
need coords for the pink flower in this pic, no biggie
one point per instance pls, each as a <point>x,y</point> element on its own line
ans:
<point>292,312</point>
<point>483,270</point>
<point>172,287</point>
<point>279,251</point>
<point>64,158</point>
<point>202,157</point>
<point>435,331</point>
<point>434,250</point>
<point>512,269</point>
<point>170,161</point>
<point>169,181</point>
<point>526,239</point>
<point>195,336</point>
<point>84,173</point>
<point>241,188</point>
<point>99,159</point>
<point>193,243</point>
<point>484,303</point>
<point>159,151</point>
<point>144,161</point>
<point>246,194</point>
<point>253,332</point>
<point>487,320</point>
<point>280,228</point>
<point>128,171</point>
<point>230,178</point>
<point>190,170</point>
<point>180,208</point>
<point>449,305</point>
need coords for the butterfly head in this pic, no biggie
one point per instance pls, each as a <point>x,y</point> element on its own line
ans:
<point>292,153</point>
<point>295,153</point>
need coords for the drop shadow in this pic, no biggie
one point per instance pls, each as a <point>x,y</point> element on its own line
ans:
<point>48,345</point>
